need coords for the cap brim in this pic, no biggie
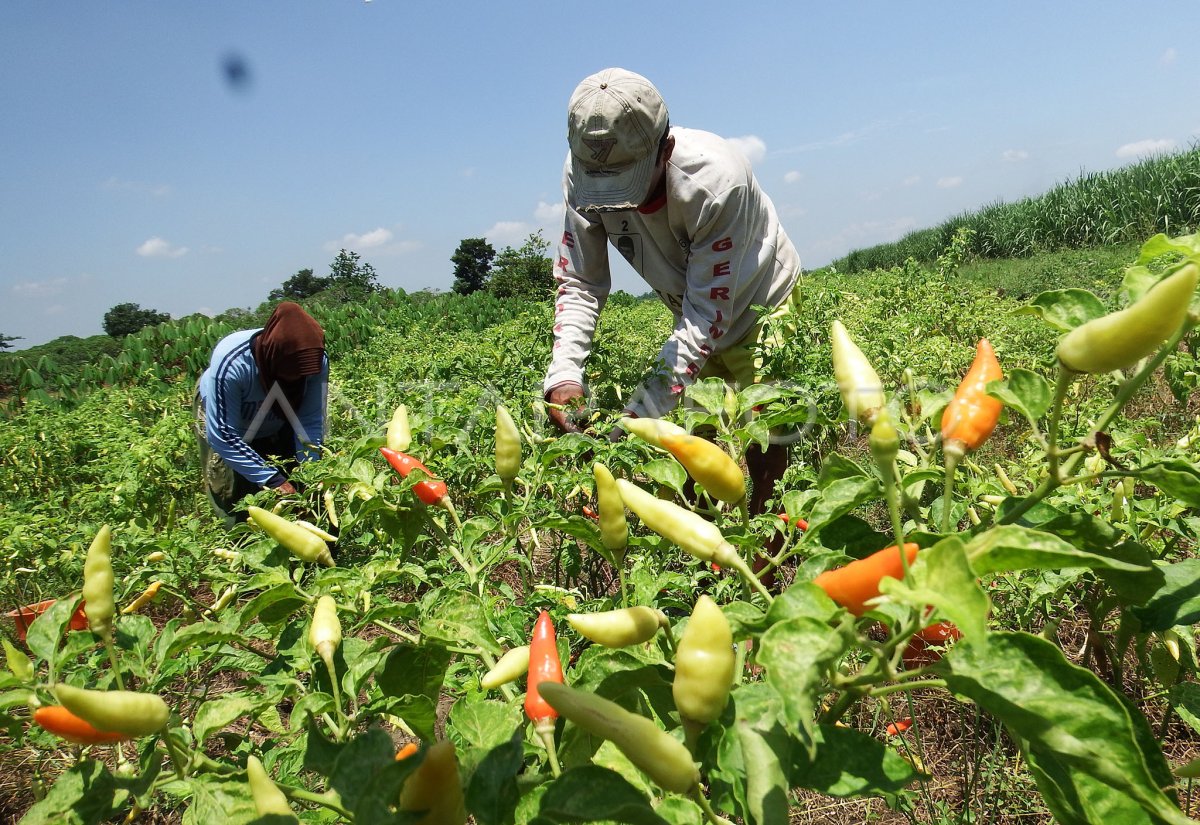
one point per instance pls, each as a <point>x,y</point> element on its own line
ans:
<point>611,189</point>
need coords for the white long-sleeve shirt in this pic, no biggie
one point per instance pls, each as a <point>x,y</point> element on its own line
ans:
<point>711,249</point>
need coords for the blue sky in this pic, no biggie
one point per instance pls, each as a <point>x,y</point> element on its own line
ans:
<point>133,170</point>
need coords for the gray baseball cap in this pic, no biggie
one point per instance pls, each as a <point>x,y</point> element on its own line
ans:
<point>614,123</point>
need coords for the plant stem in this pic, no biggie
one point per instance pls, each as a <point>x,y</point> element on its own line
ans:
<point>547,737</point>
<point>916,684</point>
<point>302,795</point>
<point>112,657</point>
<point>951,452</point>
<point>709,813</point>
<point>408,637</point>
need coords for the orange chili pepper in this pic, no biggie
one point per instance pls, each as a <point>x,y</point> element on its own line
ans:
<point>858,582</point>
<point>66,725</point>
<point>972,415</point>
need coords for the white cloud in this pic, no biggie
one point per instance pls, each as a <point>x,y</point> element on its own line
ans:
<point>378,241</point>
<point>911,180</point>
<point>158,247</point>
<point>367,240</point>
<point>509,233</point>
<point>40,289</point>
<point>468,172</point>
<point>550,213</point>
<point>751,146</point>
<point>1014,155</point>
<point>1141,148</point>
<point>1168,57</point>
<point>55,309</point>
<point>949,183</point>
<point>793,176</point>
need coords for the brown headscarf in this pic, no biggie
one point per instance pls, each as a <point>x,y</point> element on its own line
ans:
<point>290,347</point>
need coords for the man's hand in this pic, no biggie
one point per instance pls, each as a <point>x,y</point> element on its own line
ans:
<point>563,401</point>
<point>286,489</point>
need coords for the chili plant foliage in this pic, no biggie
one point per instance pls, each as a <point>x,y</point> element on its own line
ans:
<point>260,684</point>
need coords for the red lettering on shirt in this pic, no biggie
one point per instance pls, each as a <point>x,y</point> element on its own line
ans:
<point>692,369</point>
<point>719,293</point>
<point>568,240</point>
<point>562,263</point>
<point>721,269</point>
<point>705,350</point>
<point>558,327</point>
<point>558,308</point>
<point>715,332</point>
<point>676,389</point>
<point>723,245</point>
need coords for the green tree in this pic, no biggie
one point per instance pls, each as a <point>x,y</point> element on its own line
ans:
<point>349,279</point>
<point>300,286</point>
<point>6,341</point>
<point>126,319</point>
<point>472,263</point>
<point>525,273</point>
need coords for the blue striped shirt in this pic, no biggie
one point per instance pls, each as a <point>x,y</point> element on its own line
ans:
<point>235,413</point>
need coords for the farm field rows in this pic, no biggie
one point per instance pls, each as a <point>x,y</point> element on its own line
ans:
<point>1033,659</point>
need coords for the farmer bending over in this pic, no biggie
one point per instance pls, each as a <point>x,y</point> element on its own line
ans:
<point>262,397</point>
<point>683,207</point>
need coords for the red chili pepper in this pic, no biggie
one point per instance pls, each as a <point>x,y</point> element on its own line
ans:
<point>23,617</point>
<point>590,513</point>
<point>923,647</point>
<point>899,726</point>
<point>544,666</point>
<point>801,524</point>
<point>431,490</point>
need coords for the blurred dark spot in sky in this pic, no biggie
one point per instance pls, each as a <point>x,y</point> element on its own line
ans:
<point>236,72</point>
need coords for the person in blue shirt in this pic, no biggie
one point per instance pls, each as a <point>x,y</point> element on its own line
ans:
<point>259,406</point>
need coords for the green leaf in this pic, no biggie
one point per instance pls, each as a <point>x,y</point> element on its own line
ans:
<point>942,577</point>
<point>837,467</point>
<point>667,472</point>
<point>850,763</point>
<point>1012,547</point>
<point>1063,711</point>
<point>85,794</point>
<point>368,778</point>
<point>755,706</point>
<point>854,537</point>
<point>797,655</point>
<point>206,636</point>
<point>802,599</point>
<point>1175,477</point>
<point>1075,798</point>
<point>1185,698</point>
<point>457,618</point>
<point>1177,601</point>
<point>484,724</point>
<point>215,799</point>
<point>274,605</point>
<point>841,497</point>
<point>216,714</point>
<point>766,784</point>
<point>679,810</point>
<point>1026,392</point>
<point>1065,309</point>
<point>594,794</point>
<point>709,393</point>
<point>1160,244</point>
<point>492,793</point>
<point>46,631</point>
